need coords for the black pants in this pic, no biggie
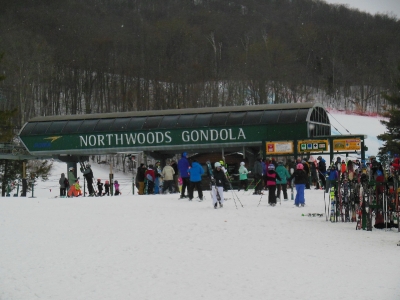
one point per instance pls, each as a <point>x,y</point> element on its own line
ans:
<point>62,192</point>
<point>192,185</point>
<point>185,183</point>
<point>167,184</point>
<point>150,187</point>
<point>283,187</point>
<point>271,194</point>
<point>259,183</point>
<point>322,180</point>
<point>243,184</point>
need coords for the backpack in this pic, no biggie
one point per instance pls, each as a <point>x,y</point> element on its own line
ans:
<point>66,182</point>
<point>149,177</point>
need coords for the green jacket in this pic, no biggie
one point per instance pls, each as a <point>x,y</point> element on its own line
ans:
<point>243,173</point>
<point>283,174</point>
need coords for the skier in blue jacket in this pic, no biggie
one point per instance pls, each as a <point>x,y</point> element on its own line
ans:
<point>183,166</point>
<point>195,173</point>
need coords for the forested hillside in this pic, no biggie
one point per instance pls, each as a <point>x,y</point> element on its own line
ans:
<point>73,57</point>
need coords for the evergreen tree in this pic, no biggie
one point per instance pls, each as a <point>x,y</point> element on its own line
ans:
<point>391,138</point>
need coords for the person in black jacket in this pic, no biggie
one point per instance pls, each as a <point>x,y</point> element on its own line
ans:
<point>88,174</point>
<point>258,176</point>
<point>300,180</point>
<point>218,181</point>
<point>140,177</point>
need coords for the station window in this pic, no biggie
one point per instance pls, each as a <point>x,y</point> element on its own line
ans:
<point>72,126</point>
<point>136,123</point>
<point>40,128</point>
<point>88,126</point>
<point>253,117</point>
<point>288,116</point>
<point>120,124</point>
<point>185,121</point>
<point>28,129</point>
<point>152,122</point>
<point>219,119</point>
<point>168,122</point>
<point>270,117</point>
<point>302,115</point>
<point>236,118</point>
<point>202,120</point>
<point>104,125</point>
<point>56,127</point>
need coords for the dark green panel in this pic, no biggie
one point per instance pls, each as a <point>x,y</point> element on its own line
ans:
<point>232,135</point>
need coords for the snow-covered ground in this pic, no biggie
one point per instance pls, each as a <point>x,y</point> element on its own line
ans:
<point>160,247</point>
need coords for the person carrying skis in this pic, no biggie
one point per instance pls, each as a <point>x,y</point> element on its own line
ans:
<point>281,184</point>
<point>183,166</point>
<point>300,180</point>
<point>243,176</point>
<point>218,181</point>
<point>150,177</point>
<point>99,187</point>
<point>271,177</point>
<point>195,173</point>
<point>88,174</point>
<point>258,176</point>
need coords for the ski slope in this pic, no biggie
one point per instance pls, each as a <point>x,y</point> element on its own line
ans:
<point>160,247</point>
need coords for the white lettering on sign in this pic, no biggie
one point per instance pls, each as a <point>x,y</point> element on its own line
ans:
<point>158,137</point>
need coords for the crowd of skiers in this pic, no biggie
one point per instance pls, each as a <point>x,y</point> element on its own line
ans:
<point>70,187</point>
<point>185,177</point>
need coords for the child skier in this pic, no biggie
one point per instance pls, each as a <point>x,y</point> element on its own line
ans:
<point>271,178</point>
<point>107,188</point>
<point>218,180</point>
<point>99,187</point>
<point>116,188</point>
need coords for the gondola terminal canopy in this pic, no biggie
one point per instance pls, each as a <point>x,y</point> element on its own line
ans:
<point>174,130</point>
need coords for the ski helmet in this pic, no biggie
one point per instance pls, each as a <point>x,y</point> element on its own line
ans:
<point>242,163</point>
<point>116,181</point>
<point>99,179</point>
<point>217,165</point>
<point>271,167</point>
<point>300,167</point>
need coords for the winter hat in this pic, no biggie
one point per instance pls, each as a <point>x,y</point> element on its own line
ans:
<point>319,157</point>
<point>280,163</point>
<point>242,163</point>
<point>271,167</point>
<point>379,173</point>
<point>300,167</point>
<point>184,154</point>
<point>217,164</point>
<point>116,181</point>
<point>151,166</point>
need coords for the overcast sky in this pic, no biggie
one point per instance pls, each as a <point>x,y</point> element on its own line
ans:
<point>372,6</point>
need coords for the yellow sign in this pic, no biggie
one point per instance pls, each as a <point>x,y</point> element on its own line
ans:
<point>347,144</point>
<point>279,148</point>
<point>313,146</point>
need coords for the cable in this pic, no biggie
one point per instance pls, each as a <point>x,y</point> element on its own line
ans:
<point>338,123</point>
